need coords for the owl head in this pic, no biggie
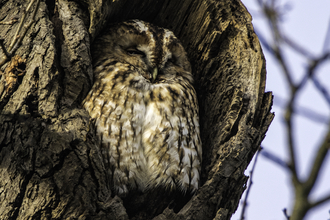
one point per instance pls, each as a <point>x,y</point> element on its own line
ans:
<point>155,52</point>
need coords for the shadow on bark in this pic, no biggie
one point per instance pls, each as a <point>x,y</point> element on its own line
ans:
<point>50,164</point>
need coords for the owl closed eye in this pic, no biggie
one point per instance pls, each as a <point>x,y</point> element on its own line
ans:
<point>145,109</point>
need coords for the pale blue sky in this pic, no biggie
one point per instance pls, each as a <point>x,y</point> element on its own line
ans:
<point>306,23</point>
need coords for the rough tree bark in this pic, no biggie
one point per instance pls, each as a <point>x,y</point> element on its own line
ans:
<point>50,165</point>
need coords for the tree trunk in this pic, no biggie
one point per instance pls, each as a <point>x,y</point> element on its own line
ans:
<point>51,167</point>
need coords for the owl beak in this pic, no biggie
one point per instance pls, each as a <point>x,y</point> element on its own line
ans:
<point>154,74</point>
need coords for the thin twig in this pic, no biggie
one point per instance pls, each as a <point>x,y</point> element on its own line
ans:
<point>291,144</point>
<point>321,201</point>
<point>20,25</point>
<point>303,111</point>
<point>272,15</point>
<point>322,89</point>
<point>286,214</point>
<point>326,44</point>
<point>264,42</point>
<point>250,185</point>
<point>294,45</point>
<point>17,39</point>
<point>282,61</point>
<point>27,27</point>
<point>315,64</point>
<point>12,21</point>
<point>277,52</point>
<point>275,159</point>
<point>317,163</point>
<point>302,189</point>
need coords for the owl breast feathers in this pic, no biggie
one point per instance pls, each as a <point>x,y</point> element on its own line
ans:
<point>145,109</point>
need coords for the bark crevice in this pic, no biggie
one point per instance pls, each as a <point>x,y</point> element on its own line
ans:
<point>51,165</point>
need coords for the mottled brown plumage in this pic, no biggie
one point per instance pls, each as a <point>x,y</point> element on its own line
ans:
<point>145,108</point>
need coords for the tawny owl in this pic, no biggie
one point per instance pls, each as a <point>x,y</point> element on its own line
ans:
<point>145,109</point>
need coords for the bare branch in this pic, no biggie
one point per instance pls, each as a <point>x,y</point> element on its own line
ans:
<point>274,158</point>
<point>286,214</point>
<point>322,89</point>
<point>313,66</point>
<point>272,16</point>
<point>315,63</point>
<point>291,145</point>
<point>318,162</point>
<point>303,111</point>
<point>302,189</point>
<point>294,45</point>
<point>326,45</point>
<point>321,201</point>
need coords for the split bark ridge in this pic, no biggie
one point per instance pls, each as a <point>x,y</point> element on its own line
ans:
<point>51,167</point>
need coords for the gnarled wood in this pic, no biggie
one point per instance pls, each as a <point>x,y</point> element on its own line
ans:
<point>50,165</point>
